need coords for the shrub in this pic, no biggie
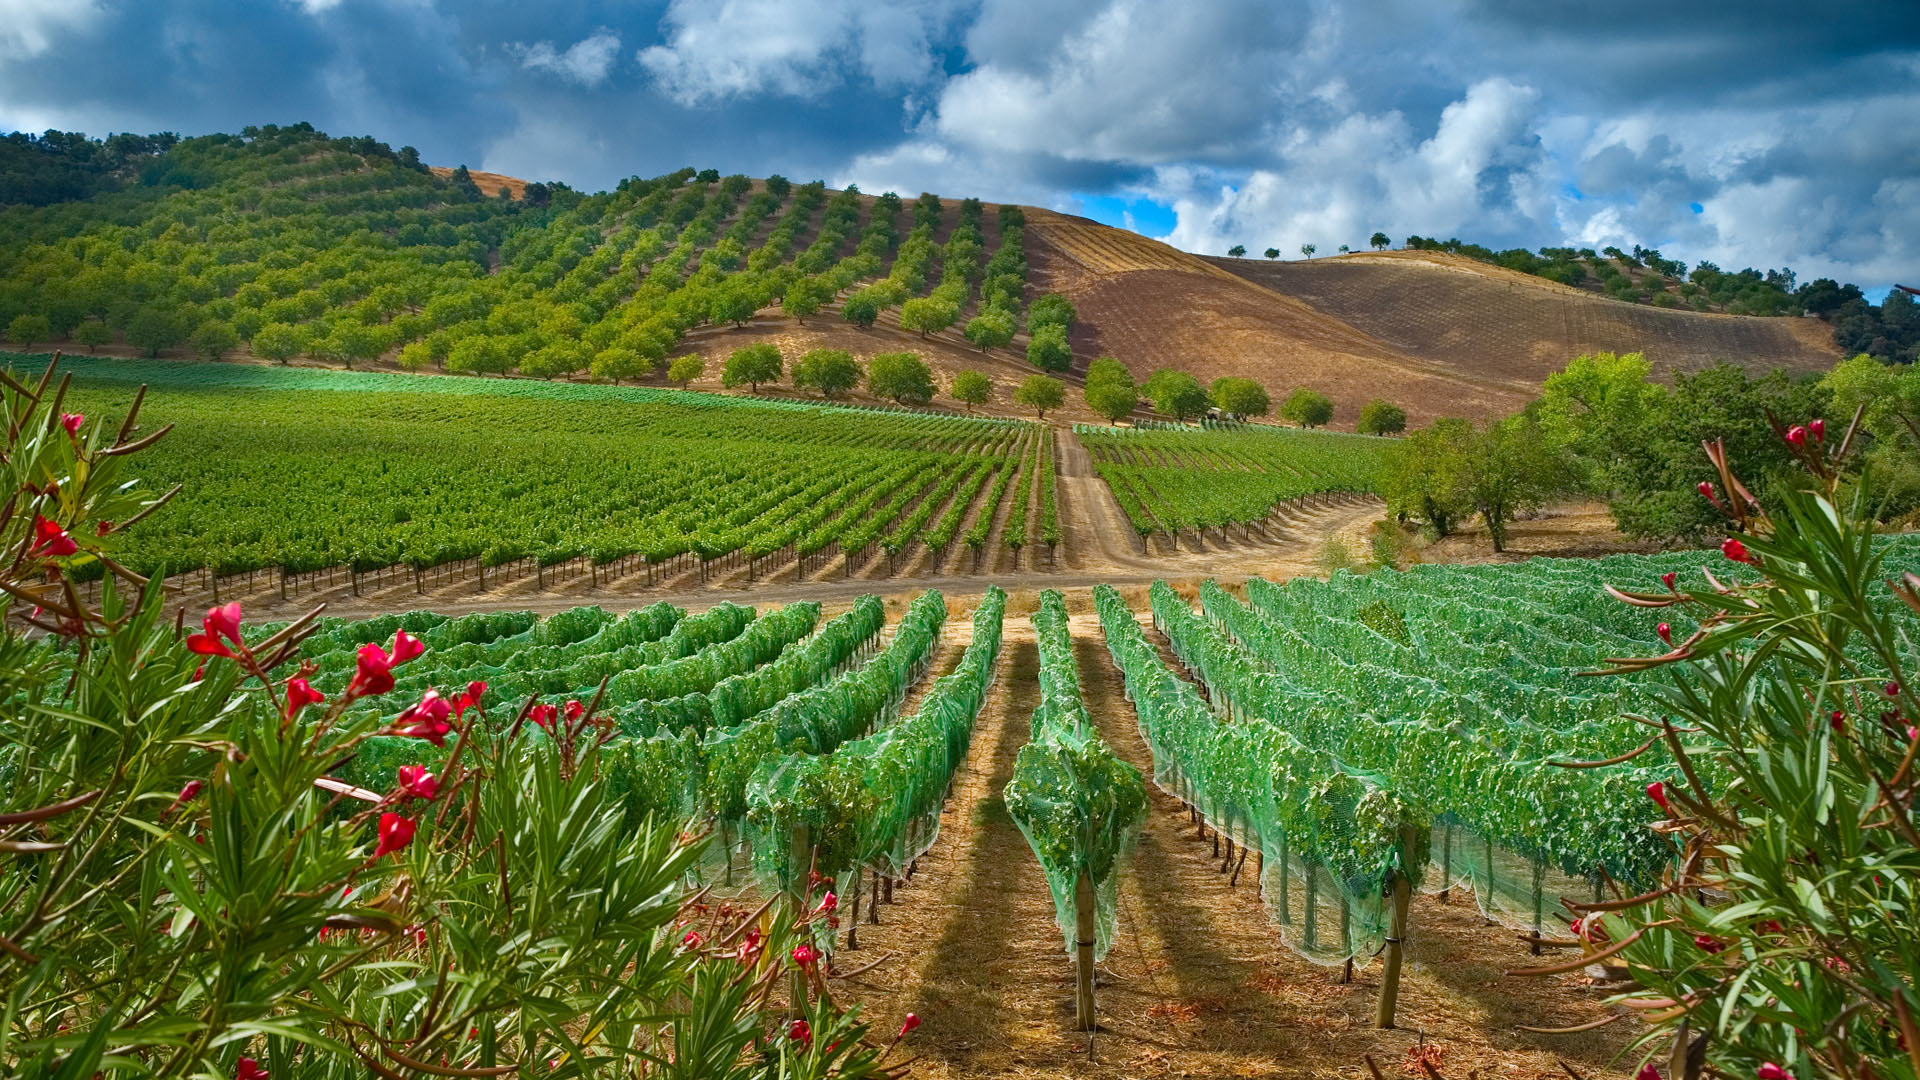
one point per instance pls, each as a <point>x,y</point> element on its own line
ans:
<point>1379,417</point>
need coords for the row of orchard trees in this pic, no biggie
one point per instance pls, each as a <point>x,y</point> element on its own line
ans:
<point>294,244</point>
<point>1111,391</point>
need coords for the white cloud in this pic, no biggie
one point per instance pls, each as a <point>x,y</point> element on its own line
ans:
<point>1478,172</point>
<point>793,48</point>
<point>315,7</point>
<point>585,62</point>
<point>28,27</point>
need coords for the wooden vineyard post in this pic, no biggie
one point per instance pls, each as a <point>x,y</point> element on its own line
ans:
<point>1083,939</point>
<point>799,866</point>
<point>1396,938</point>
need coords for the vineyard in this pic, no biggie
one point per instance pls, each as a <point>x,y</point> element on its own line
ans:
<point>1171,480</point>
<point>299,472</point>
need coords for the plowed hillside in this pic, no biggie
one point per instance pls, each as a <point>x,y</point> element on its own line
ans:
<point>1456,311</point>
<point>1153,306</point>
<point>1439,333</point>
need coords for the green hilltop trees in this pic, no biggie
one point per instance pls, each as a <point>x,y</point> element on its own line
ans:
<point>1381,417</point>
<point>833,372</point>
<point>685,369</point>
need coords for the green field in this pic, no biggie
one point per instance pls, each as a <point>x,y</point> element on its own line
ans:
<point>284,468</point>
<point>1169,479</point>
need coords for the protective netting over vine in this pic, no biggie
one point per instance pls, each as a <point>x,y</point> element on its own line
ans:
<point>875,802</point>
<point>1331,838</point>
<point>1078,805</point>
<point>811,725</point>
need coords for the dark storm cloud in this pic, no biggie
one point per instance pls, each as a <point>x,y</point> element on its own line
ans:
<point>1505,121</point>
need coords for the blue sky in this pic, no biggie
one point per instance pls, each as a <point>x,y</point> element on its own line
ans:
<point>1758,133</point>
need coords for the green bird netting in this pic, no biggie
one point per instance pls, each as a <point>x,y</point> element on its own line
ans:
<point>1078,805</point>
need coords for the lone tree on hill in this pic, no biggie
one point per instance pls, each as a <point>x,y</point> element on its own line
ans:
<point>1308,408</point>
<point>1236,396</point>
<point>1111,390</point>
<point>1379,240</point>
<point>1308,250</point>
<point>1050,310</point>
<point>861,309</point>
<point>901,376</point>
<point>1381,417</point>
<point>753,365</point>
<point>685,369</point>
<point>94,333</point>
<point>1048,350</point>
<point>972,388</point>
<point>1237,251</point>
<point>833,372</point>
<point>1177,394</point>
<point>1040,393</point>
<point>1271,253</point>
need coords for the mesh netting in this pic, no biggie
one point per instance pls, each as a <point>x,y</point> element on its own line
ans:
<point>1331,839</point>
<point>1077,804</point>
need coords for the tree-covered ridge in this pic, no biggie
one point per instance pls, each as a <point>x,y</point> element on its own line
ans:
<point>344,250</point>
<point>1889,331</point>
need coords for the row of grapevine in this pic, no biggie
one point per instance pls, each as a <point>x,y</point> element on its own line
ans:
<point>1078,805</point>
<point>1328,835</point>
<point>1166,481</point>
<point>874,803</point>
<point>370,479</point>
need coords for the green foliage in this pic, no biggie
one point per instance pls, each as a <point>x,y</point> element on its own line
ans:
<point>833,372</point>
<point>1076,802</point>
<point>478,355</point>
<point>685,369</point>
<point>1052,309</point>
<point>1169,480</point>
<point>1239,397</point>
<point>25,329</point>
<point>1308,250</point>
<point>991,329</point>
<point>1427,479</point>
<point>1308,408</point>
<point>805,296</point>
<point>972,388</point>
<point>1237,251</point>
<point>212,339</point>
<point>1110,390</point>
<point>752,365</point>
<point>1887,397</point>
<point>862,308</point>
<point>152,329</point>
<point>1047,347</point>
<point>1379,241</point>
<point>1040,393</point>
<point>1177,394</point>
<point>1381,417</point>
<point>94,333</point>
<point>278,341</point>
<point>215,905</point>
<point>1796,693</point>
<point>901,377</point>
<point>1271,253</point>
<point>927,315</point>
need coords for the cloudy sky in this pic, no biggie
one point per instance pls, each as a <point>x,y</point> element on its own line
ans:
<point>1758,133</point>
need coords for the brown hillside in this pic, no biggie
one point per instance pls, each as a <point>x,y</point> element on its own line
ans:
<point>1460,312</point>
<point>489,183</point>
<point>1153,306</point>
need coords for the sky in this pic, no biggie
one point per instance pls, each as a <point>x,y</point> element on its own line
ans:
<point>1758,133</point>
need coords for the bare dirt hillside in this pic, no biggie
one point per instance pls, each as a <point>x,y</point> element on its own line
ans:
<point>489,183</point>
<point>1502,324</point>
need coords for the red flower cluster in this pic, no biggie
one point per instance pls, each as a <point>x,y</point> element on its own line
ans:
<point>72,422</point>
<point>249,1069</point>
<point>374,672</point>
<point>801,1032</point>
<point>427,720</point>
<point>300,694</point>
<point>1657,791</point>
<point>1770,1071</point>
<point>1735,550</point>
<point>806,956</point>
<point>416,783</point>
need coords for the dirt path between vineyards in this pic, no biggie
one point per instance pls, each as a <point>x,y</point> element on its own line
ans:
<point>1198,982</point>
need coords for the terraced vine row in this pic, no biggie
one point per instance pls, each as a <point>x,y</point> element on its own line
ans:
<point>1170,479</point>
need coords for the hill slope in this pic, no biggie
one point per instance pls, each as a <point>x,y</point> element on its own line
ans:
<point>1439,333</point>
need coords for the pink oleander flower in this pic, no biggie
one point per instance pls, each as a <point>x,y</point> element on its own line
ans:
<point>50,540</point>
<point>1665,632</point>
<point>395,833</point>
<point>300,694</point>
<point>1735,550</point>
<point>1657,791</point>
<point>427,720</point>
<point>72,421</point>
<point>220,622</point>
<point>416,782</point>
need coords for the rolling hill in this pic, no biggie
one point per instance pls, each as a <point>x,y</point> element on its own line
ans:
<point>1438,333</point>
<point>288,245</point>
